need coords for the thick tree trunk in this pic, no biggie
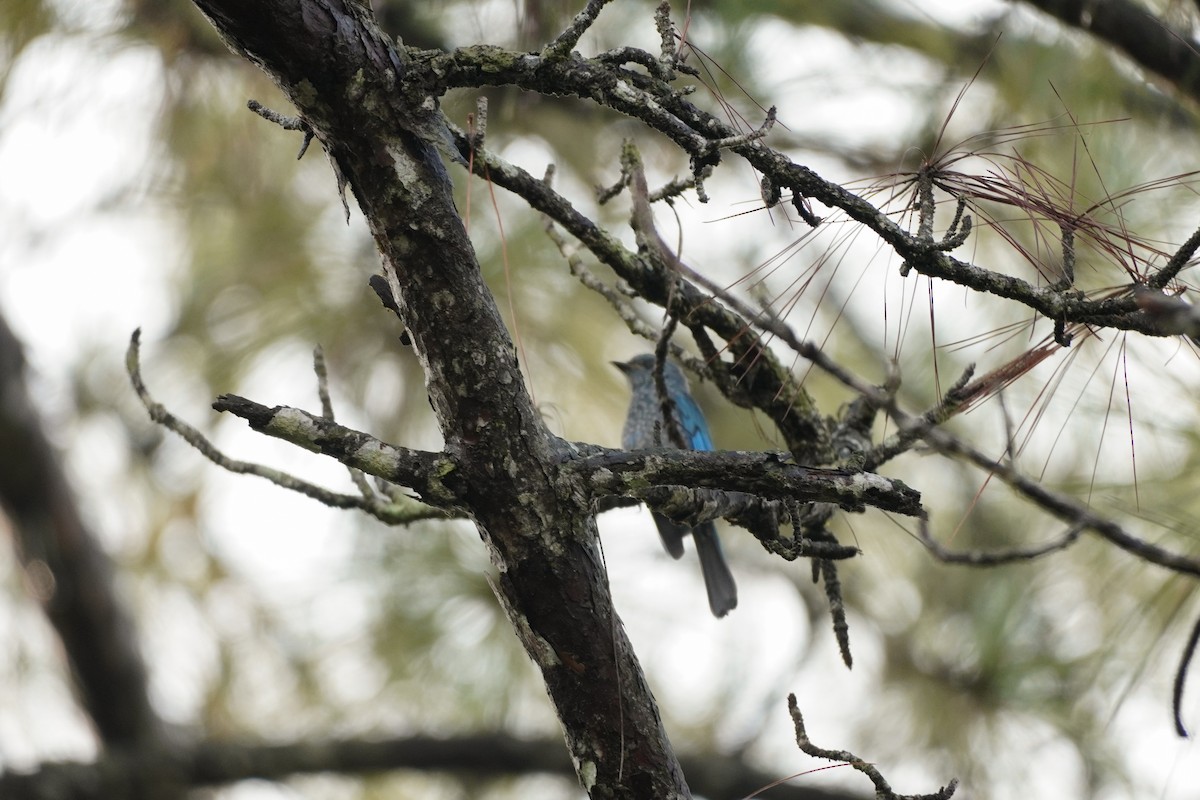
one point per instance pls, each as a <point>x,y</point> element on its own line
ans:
<point>343,75</point>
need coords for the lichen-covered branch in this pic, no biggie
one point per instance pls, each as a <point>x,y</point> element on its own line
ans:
<point>666,109</point>
<point>883,790</point>
<point>766,475</point>
<point>345,78</point>
<point>756,379</point>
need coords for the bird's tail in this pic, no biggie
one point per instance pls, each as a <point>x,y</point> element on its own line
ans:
<point>671,533</point>
<point>718,580</point>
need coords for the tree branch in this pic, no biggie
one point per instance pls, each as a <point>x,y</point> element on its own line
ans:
<point>431,475</point>
<point>1131,27</point>
<point>125,774</point>
<point>344,76</point>
<point>761,382</point>
<point>695,131</point>
<point>71,575</point>
<point>883,791</point>
<point>767,475</point>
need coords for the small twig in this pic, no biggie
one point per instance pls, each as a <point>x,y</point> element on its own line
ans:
<point>383,290</point>
<point>802,519</point>
<point>391,514</point>
<point>981,559</point>
<point>909,436</point>
<point>769,191</point>
<point>322,373</point>
<point>925,205</point>
<point>565,42</point>
<point>606,193</point>
<point>883,791</point>
<point>1010,431</point>
<point>925,214</point>
<point>1068,257</point>
<point>319,368</point>
<point>850,438</point>
<point>1189,650</point>
<point>804,547</point>
<point>1061,506</point>
<point>669,55</point>
<point>342,183</point>
<point>285,122</point>
<point>159,415</point>
<point>741,139</point>
<point>641,217</point>
<point>298,124</point>
<point>616,297</point>
<point>647,235</point>
<point>837,608</point>
<point>1057,505</point>
<point>959,230</point>
<point>666,402</point>
<point>804,209</point>
<point>694,506</point>
<point>702,169</point>
<point>478,123</point>
<point>1061,335</point>
<point>1178,261</point>
<point>673,188</point>
<point>620,56</point>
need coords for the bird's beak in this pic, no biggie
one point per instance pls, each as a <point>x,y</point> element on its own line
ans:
<point>621,365</point>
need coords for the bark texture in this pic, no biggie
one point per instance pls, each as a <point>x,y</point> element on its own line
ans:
<point>343,75</point>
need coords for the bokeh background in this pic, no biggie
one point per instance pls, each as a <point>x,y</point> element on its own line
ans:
<point>137,190</point>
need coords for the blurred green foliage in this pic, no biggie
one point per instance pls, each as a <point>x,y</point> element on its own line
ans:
<point>957,664</point>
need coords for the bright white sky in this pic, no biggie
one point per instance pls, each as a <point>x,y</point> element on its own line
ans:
<point>75,129</point>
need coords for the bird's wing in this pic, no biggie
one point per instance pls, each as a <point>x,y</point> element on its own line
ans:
<point>691,422</point>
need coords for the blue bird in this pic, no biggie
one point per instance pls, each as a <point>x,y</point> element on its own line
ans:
<point>645,414</point>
